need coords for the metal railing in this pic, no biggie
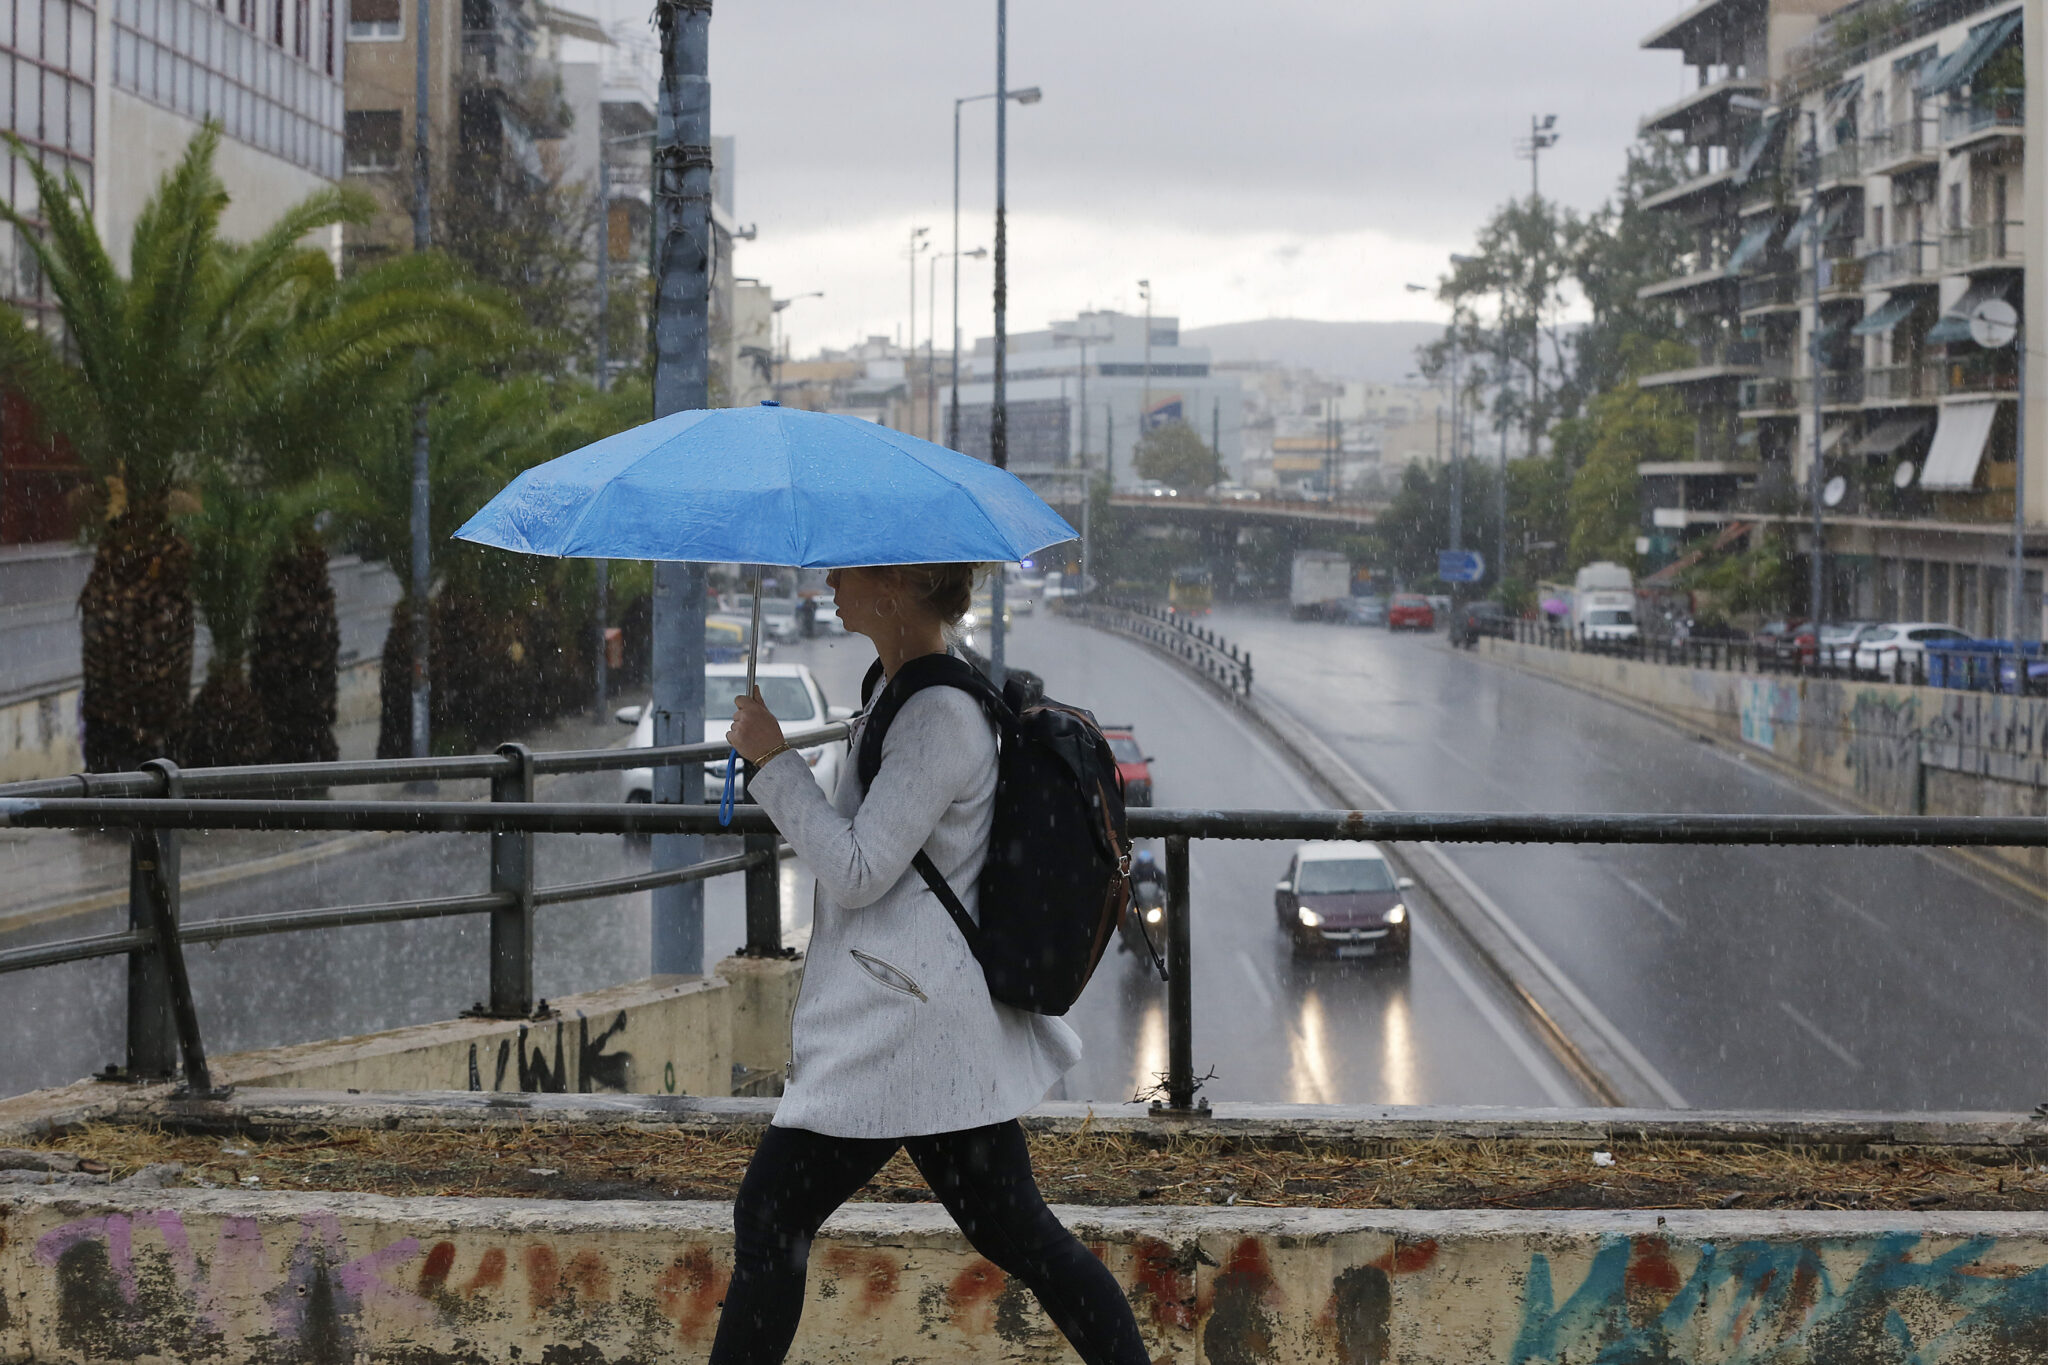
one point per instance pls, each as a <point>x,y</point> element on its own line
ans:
<point>1196,646</point>
<point>1921,382</point>
<point>1901,263</point>
<point>1982,111</point>
<point>1759,292</point>
<point>1981,372</point>
<point>1973,666</point>
<point>1771,393</point>
<point>1986,244</point>
<point>1911,139</point>
<point>151,821</point>
<point>159,994</point>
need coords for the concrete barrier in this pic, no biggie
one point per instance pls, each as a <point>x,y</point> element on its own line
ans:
<point>662,1036</point>
<point>1890,748</point>
<point>234,1276</point>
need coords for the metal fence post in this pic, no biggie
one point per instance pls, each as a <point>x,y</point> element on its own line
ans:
<point>512,874</point>
<point>764,897</point>
<point>1180,1001</point>
<point>152,873</point>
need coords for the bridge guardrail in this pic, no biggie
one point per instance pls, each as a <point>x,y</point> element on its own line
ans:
<point>1170,632</point>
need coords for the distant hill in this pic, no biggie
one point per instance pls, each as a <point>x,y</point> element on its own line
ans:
<point>1381,352</point>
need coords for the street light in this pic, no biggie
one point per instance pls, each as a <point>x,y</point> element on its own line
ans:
<point>775,310</point>
<point>931,307</point>
<point>1145,404</point>
<point>1028,95</point>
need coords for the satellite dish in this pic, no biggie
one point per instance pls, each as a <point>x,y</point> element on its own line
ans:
<point>1837,489</point>
<point>1902,477</point>
<point>1994,323</point>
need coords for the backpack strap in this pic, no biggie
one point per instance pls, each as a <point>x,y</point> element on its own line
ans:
<point>943,889</point>
<point>929,670</point>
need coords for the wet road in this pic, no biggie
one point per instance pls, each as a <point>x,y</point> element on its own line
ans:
<point>1839,978</point>
<point>1427,1031</point>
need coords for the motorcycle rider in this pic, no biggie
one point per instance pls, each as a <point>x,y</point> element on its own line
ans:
<point>1148,879</point>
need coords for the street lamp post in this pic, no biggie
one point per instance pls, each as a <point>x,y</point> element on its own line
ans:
<point>781,341</point>
<point>1816,582</point>
<point>422,561</point>
<point>917,244</point>
<point>931,311</point>
<point>601,667</point>
<point>1029,95</point>
<point>1145,402</point>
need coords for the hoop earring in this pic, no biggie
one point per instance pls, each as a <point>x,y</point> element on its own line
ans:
<point>890,614</point>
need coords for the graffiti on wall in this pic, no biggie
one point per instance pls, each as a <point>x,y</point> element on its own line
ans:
<point>1883,749</point>
<point>1987,735</point>
<point>594,1068</point>
<point>1882,1298</point>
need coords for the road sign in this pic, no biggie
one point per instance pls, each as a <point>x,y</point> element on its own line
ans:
<point>1460,566</point>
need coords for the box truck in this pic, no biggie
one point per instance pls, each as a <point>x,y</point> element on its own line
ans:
<point>1322,580</point>
<point>1604,602</point>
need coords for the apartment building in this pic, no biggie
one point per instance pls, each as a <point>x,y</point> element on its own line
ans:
<point>110,94</point>
<point>1860,184</point>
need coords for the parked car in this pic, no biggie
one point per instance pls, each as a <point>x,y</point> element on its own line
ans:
<point>778,619</point>
<point>1153,488</point>
<point>1881,648</point>
<point>1838,641</point>
<point>1410,611</point>
<point>1775,637</point>
<point>1133,764</point>
<point>725,639</point>
<point>1369,609</point>
<point>1475,619</point>
<point>792,694</point>
<point>1344,899</point>
<point>1234,492</point>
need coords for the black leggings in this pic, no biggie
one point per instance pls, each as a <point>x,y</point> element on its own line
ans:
<point>982,1176</point>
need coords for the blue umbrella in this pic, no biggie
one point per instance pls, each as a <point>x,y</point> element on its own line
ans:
<point>768,485</point>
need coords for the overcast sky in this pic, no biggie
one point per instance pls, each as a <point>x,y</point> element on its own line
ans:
<point>1281,158</point>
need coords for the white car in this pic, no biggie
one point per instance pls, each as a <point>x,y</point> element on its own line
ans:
<point>827,621</point>
<point>778,619</point>
<point>1880,648</point>
<point>791,692</point>
<point>1234,492</point>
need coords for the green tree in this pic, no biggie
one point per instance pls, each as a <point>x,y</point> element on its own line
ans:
<point>1622,427</point>
<point>1179,458</point>
<point>1623,247</point>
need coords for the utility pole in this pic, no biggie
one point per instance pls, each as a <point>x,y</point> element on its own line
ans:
<point>1457,455</point>
<point>601,664</point>
<point>1815,576</point>
<point>1145,405</point>
<point>683,260</point>
<point>999,411</point>
<point>422,558</point>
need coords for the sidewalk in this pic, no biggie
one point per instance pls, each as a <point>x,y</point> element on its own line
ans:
<point>48,875</point>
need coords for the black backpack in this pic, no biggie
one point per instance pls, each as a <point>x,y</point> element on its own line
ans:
<point>1054,885</point>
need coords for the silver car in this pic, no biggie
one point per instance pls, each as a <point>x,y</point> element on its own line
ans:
<point>791,692</point>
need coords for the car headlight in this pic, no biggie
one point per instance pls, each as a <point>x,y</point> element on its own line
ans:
<point>1309,918</point>
<point>1154,915</point>
<point>1397,914</point>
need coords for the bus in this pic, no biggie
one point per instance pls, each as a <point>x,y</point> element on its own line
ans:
<point>1188,592</point>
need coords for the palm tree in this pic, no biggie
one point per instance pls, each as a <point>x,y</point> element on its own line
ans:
<point>200,351</point>
<point>295,654</point>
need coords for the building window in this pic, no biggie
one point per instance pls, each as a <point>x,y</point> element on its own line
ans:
<point>374,21</point>
<point>373,139</point>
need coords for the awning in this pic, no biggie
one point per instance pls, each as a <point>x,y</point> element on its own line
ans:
<point>1889,315</point>
<point>1832,437</point>
<point>1891,435</point>
<point>1954,325</point>
<point>1796,235</point>
<point>1761,144</point>
<point>1958,445</point>
<point>1749,248</point>
<point>1981,46</point>
<point>1841,99</point>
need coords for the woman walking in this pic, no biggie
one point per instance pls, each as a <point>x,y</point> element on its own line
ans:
<point>895,1042</point>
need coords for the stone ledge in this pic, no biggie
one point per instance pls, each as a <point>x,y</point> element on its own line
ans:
<point>247,1276</point>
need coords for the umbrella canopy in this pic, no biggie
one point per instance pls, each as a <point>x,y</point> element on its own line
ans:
<point>769,485</point>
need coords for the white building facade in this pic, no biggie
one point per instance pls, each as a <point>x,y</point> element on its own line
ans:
<point>1081,393</point>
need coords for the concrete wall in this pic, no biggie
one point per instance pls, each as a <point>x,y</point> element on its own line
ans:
<point>663,1036</point>
<point>231,1275</point>
<point>1898,750</point>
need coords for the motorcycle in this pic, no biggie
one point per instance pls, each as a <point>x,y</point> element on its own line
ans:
<point>1142,930</point>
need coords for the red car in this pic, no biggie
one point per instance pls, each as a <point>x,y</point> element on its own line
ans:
<point>1133,765</point>
<point>1410,611</point>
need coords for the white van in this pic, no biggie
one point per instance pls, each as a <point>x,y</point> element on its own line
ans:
<point>1604,603</point>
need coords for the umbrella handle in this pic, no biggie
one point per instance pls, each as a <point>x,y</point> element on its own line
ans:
<point>732,762</point>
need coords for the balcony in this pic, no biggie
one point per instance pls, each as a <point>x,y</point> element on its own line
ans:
<point>1841,273</point>
<point>1902,385</point>
<point>1838,389</point>
<point>1980,374</point>
<point>1901,265</point>
<point>1706,104</point>
<point>1714,279</point>
<point>1694,193</point>
<point>1903,147</point>
<point>1841,164</point>
<point>1984,115</point>
<point>1987,246</point>
<point>1770,293</point>
<point>1769,396</point>
<point>1718,361</point>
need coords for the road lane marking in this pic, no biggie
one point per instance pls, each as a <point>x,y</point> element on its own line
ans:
<point>1560,1092</point>
<point>1853,908</point>
<point>1644,894</point>
<point>1820,1036</point>
<point>1563,984</point>
<point>1555,1087</point>
<point>1251,974</point>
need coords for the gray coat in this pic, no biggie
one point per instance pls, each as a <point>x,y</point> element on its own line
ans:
<point>894,1033</point>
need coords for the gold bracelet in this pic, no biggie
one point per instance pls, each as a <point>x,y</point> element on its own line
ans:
<point>774,753</point>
